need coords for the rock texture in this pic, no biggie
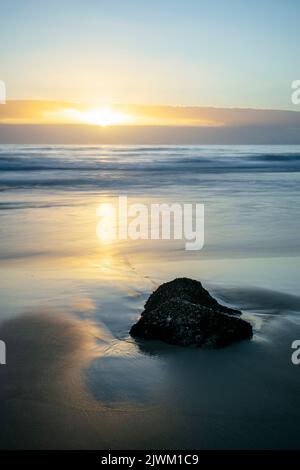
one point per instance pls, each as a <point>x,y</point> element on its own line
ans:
<point>183,312</point>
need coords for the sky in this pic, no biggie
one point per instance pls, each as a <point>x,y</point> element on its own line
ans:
<point>226,53</point>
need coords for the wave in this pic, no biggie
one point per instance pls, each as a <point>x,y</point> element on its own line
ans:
<point>105,166</point>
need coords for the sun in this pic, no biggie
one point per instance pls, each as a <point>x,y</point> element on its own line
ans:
<point>103,117</point>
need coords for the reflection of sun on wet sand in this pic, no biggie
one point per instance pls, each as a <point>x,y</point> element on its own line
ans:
<point>44,399</point>
<point>46,354</point>
<point>43,377</point>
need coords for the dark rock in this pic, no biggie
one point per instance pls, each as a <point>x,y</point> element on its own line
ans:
<point>183,312</point>
<point>186,289</point>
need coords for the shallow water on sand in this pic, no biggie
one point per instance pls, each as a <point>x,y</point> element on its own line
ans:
<point>74,377</point>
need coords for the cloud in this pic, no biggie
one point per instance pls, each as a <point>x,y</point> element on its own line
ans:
<point>40,122</point>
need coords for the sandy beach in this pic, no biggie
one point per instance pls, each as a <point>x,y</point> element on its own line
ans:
<point>74,377</point>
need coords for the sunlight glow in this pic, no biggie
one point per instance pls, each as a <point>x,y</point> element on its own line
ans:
<point>103,117</point>
<point>96,116</point>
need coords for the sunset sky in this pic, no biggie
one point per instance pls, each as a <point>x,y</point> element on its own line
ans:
<point>104,62</point>
<point>193,52</point>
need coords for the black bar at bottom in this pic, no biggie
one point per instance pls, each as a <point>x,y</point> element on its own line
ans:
<point>148,459</point>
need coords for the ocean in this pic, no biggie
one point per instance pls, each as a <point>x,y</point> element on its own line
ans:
<point>74,377</point>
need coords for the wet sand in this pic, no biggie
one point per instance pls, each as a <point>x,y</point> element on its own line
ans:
<point>74,378</point>
<point>71,384</point>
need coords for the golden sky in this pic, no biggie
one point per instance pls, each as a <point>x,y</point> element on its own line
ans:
<point>112,114</point>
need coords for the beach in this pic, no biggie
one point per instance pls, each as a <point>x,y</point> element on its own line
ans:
<point>75,378</point>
